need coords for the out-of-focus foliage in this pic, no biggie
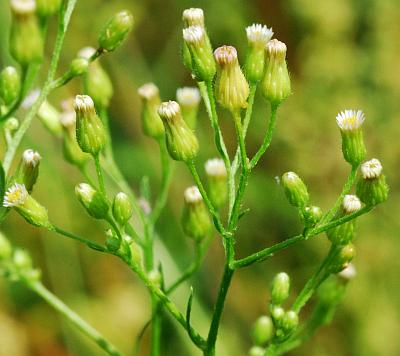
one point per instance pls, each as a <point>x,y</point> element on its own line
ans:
<point>341,54</point>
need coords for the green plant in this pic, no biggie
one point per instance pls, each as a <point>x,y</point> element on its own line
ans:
<point>220,79</point>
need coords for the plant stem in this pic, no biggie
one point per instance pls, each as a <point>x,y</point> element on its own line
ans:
<point>267,138</point>
<point>65,15</point>
<point>73,317</point>
<point>99,172</point>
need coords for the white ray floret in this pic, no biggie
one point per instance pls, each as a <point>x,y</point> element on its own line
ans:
<point>16,195</point>
<point>349,120</point>
<point>351,204</point>
<point>215,167</point>
<point>188,96</point>
<point>371,169</point>
<point>258,33</point>
<point>192,195</point>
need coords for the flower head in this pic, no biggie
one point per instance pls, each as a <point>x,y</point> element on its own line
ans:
<point>193,34</point>
<point>351,204</point>
<point>371,169</point>
<point>188,96</point>
<point>31,157</point>
<point>259,34</point>
<point>192,195</point>
<point>148,91</point>
<point>168,110</point>
<point>215,167</point>
<point>225,55</point>
<point>83,104</point>
<point>349,120</point>
<point>23,7</point>
<point>193,17</point>
<point>16,195</point>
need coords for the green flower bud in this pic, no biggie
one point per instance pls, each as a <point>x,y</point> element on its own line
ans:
<point>181,142</point>
<point>353,148</point>
<point>115,31</point>
<point>217,179</point>
<point>295,190</point>
<point>277,314</point>
<point>256,351</point>
<point>122,208</point>
<point>5,248</point>
<point>263,330</point>
<point>46,8</point>
<point>189,100</point>
<point>311,215</point>
<point>200,49</point>
<point>343,234</point>
<point>17,197</point>
<point>193,17</point>
<point>372,188</point>
<point>280,288</point>
<point>290,321</point>
<point>71,150</point>
<point>10,85</point>
<point>22,260</point>
<point>152,124</point>
<point>96,82</point>
<point>275,85</point>
<point>231,87</point>
<point>113,243</point>
<point>155,277</point>
<point>93,201</point>
<point>11,124</point>
<point>257,37</point>
<point>344,255</point>
<point>78,66</point>
<point>50,118</point>
<point>26,42</point>
<point>186,57</point>
<point>90,132</point>
<point>28,170</point>
<point>196,220</point>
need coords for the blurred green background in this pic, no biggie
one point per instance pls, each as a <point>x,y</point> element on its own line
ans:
<point>341,54</point>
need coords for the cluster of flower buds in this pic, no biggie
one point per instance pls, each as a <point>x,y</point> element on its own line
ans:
<point>217,179</point>
<point>189,100</point>
<point>196,220</point>
<point>26,41</point>
<point>181,142</point>
<point>10,85</point>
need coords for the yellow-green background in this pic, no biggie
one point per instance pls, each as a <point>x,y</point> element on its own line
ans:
<point>341,54</point>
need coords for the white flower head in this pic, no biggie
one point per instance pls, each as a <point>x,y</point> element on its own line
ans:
<point>192,195</point>
<point>31,157</point>
<point>351,204</point>
<point>193,17</point>
<point>169,109</point>
<point>148,91</point>
<point>349,120</point>
<point>259,34</point>
<point>371,169</point>
<point>215,167</point>
<point>225,55</point>
<point>86,52</point>
<point>16,195</point>
<point>276,48</point>
<point>83,104</point>
<point>193,34</point>
<point>349,272</point>
<point>188,96</point>
<point>23,7</point>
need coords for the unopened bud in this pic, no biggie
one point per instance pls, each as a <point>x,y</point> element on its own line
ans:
<point>26,41</point>
<point>115,31</point>
<point>90,132</point>
<point>277,314</point>
<point>217,179</point>
<point>17,197</point>
<point>231,87</point>
<point>344,255</point>
<point>257,38</point>
<point>353,148</point>
<point>295,190</point>
<point>193,17</point>
<point>11,124</point>
<point>290,321</point>
<point>189,100</point>
<point>372,188</point>
<point>78,66</point>
<point>122,208</point>
<point>10,85</point>
<point>275,85</point>
<point>152,124</point>
<point>29,169</point>
<point>113,243</point>
<point>50,118</point>
<point>311,215</point>
<point>46,8</point>
<point>280,288</point>
<point>196,220</point>
<point>263,330</point>
<point>181,142</point>
<point>93,201</point>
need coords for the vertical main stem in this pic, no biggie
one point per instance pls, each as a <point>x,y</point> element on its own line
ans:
<point>99,172</point>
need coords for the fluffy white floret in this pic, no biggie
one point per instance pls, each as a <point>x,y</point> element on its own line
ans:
<point>192,195</point>
<point>193,34</point>
<point>188,96</point>
<point>169,109</point>
<point>258,33</point>
<point>215,167</point>
<point>351,204</point>
<point>16,195</point>
<point>349,120</point>
<point>371,169</point>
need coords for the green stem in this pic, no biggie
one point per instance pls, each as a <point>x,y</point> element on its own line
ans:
<point>240,138</point>
<point>155,328</point>
<point>269,251</point>
<point>65,15</point>
<point>73,317</point>
<point>99,172</point>
<point>267,138</point>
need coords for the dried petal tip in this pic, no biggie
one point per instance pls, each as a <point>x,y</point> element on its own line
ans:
<point>350,119</point>
<point>192,195</point>
<point>30,157</point>
<point>23,7</point>
<point>148,91</point>
<point>225,55</point>
<point>193,16</point>
<point>349,272</point>
<point>16,195</point>
<point>258,33</point>
<point>169,109</point>
<point>188,96</point>
<point>83,103</point>
<point>351,204</point>
<point>371,169</point>
<point>193,34</point>
<point>215,167</point>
